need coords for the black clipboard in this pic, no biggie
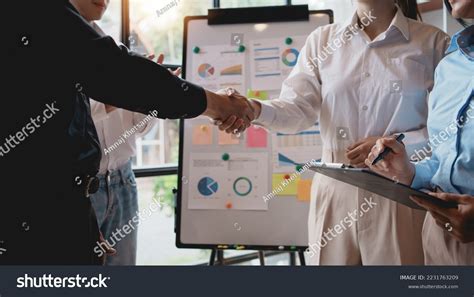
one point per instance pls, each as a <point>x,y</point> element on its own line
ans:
<point>378,184</point>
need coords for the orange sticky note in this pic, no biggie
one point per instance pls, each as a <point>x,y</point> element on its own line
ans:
<point>304,189</point>
<point>256,137</point>
<point>202,135</point>
<point>226,138</point>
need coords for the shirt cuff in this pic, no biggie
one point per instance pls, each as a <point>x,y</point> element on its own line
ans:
<point>267,115</point>
<point>423,176</point>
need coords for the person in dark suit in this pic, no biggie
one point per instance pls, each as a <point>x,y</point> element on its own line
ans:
<point>53,61</point>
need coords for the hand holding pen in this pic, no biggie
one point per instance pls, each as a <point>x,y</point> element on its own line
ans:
<point>390,159</point>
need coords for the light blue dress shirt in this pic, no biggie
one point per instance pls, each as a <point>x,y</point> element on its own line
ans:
<point>451,121</point>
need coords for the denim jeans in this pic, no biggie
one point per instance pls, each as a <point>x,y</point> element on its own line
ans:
<point>115,204</point>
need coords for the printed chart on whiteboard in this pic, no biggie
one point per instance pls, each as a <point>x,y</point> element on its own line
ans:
<point>272,60</point>
<point>234,183</point>
<point>290,150</point>
<point>218,67</point>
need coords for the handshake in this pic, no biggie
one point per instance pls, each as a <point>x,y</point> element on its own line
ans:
<point>231,111</point>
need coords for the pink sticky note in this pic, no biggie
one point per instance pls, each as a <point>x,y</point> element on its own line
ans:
<point>256,137</point>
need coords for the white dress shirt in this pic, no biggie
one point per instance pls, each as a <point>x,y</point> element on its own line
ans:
<point>356,88</point>
<point>364,88</point>
<point>118,131</point>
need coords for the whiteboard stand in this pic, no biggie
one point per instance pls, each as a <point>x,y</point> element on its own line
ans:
<point>261,257</point>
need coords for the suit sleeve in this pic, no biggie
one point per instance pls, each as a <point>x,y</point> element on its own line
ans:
<point>118,77</point>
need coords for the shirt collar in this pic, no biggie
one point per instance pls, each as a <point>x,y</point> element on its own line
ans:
<point>464,41</point>
<point>400,22</point>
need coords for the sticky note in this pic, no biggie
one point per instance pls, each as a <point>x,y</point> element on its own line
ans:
<point>202,135</point>
<point>282,186</point>
<point>260,95</point>
<point>226,139</point>
<point>256,137</point>
<point>304,189</point>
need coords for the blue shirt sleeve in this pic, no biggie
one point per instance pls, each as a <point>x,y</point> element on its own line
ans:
<point>424,172</point>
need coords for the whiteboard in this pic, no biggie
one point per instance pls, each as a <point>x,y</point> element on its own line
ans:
<point>227,222</point>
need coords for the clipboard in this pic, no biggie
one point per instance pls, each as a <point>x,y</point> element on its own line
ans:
<point>368,180</point>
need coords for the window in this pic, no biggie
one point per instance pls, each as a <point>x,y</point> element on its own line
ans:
<point>111,22</point>
<point>156,26</point>
<point>156,237</point>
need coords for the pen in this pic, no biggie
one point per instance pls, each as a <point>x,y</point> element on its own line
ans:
<point>387,150</point>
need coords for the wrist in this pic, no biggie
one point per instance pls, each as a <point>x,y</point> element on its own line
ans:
<point>257,107</point>
<point>211,110</point>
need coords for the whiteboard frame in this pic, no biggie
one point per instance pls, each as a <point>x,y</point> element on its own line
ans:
<point>178,204</point>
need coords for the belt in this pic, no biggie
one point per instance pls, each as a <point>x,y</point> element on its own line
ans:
<point>87,184</point>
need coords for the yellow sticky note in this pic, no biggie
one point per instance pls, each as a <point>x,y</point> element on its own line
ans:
<point>202,135</point>
<point>304,189</point>
<point>260,95</point>
<point>285,184</point>
<point>226,138</point>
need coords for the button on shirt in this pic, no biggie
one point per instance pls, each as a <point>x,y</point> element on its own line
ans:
<point>343,80</point>
<point>451,121</point>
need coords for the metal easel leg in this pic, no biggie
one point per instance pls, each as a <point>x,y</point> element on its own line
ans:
<point>302,259</point>
<point>212,258</point>
<point>261,256</point>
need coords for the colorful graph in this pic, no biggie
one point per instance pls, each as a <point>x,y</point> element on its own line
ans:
<point>232,70</point>
<point>207,186</point>
<point>206,70</point>
<point>290,57</point>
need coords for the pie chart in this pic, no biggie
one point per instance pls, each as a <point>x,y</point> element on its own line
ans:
<point>206,70</point>
<point>290,57</point>
<point>207,186</point>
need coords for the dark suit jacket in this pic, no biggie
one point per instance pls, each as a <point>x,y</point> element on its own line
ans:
<point>52,61</point>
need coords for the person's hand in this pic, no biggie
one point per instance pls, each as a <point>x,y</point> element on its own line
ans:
<point>226,106</point>
<point>160,60</point>
<point>458,222</point>
<point>396,165</point>
<point>234,124</point>
<point>358,152</point>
